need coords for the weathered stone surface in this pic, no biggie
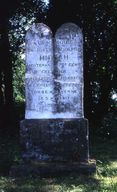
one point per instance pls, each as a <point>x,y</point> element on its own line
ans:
<point>54,82</point>
<point>45,169</point>
<point>39,72</point>
<point>69,71</point>
<point>54,131</point>
<point>55,140</point>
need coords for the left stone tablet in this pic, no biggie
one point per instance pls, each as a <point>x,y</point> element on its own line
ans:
<point>39,73</point>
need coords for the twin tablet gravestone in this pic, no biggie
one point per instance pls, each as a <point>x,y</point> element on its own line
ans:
<point>54,76</point>
<point>54,128</point>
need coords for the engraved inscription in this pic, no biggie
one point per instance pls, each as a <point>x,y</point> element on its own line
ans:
<point>69,78</point>
<point>54,72</point>
<point>39,72</point>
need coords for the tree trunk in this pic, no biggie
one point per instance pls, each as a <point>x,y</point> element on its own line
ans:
<point>7,109</point>
<point>7,66</point>
<point>1,90</point>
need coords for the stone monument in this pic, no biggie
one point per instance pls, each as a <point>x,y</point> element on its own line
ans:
<point>54,129</point>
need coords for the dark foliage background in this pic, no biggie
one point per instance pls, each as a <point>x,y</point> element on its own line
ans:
<point>98,19</point>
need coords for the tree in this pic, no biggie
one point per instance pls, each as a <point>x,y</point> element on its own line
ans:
<point>10,10</point>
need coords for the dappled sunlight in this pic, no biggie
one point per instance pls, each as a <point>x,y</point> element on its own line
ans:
<point>70,183</point>
<point>113,164</point>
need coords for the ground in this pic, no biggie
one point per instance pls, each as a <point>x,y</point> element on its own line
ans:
<point>105,179</point>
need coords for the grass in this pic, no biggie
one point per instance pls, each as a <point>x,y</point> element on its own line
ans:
<point>105,179</point>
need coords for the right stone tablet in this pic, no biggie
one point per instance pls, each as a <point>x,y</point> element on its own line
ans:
<point>69,71</point>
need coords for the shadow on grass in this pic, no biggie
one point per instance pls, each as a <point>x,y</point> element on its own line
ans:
<point>58,184</point>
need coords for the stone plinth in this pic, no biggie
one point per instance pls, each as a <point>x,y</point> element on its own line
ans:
<point>55,140</point>
<point>47,169</point>
<point>54,147</point>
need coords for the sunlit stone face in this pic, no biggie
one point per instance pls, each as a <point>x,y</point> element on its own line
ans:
<point>39,73</point>
<point>54,72</point>
<point>69,70</point>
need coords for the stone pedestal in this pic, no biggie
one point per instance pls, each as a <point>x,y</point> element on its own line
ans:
<point>55,140</point>
<point>52,147</point>
<point>50,169</point>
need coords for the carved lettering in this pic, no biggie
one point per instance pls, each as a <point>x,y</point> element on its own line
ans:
<point>54,81</point>
<point>69,51</point>
<point>39,75</point>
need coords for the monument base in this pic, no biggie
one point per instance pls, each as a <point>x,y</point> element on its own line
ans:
<point>55,140</point>
<point>54,147</point>
<point>44,169</point>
